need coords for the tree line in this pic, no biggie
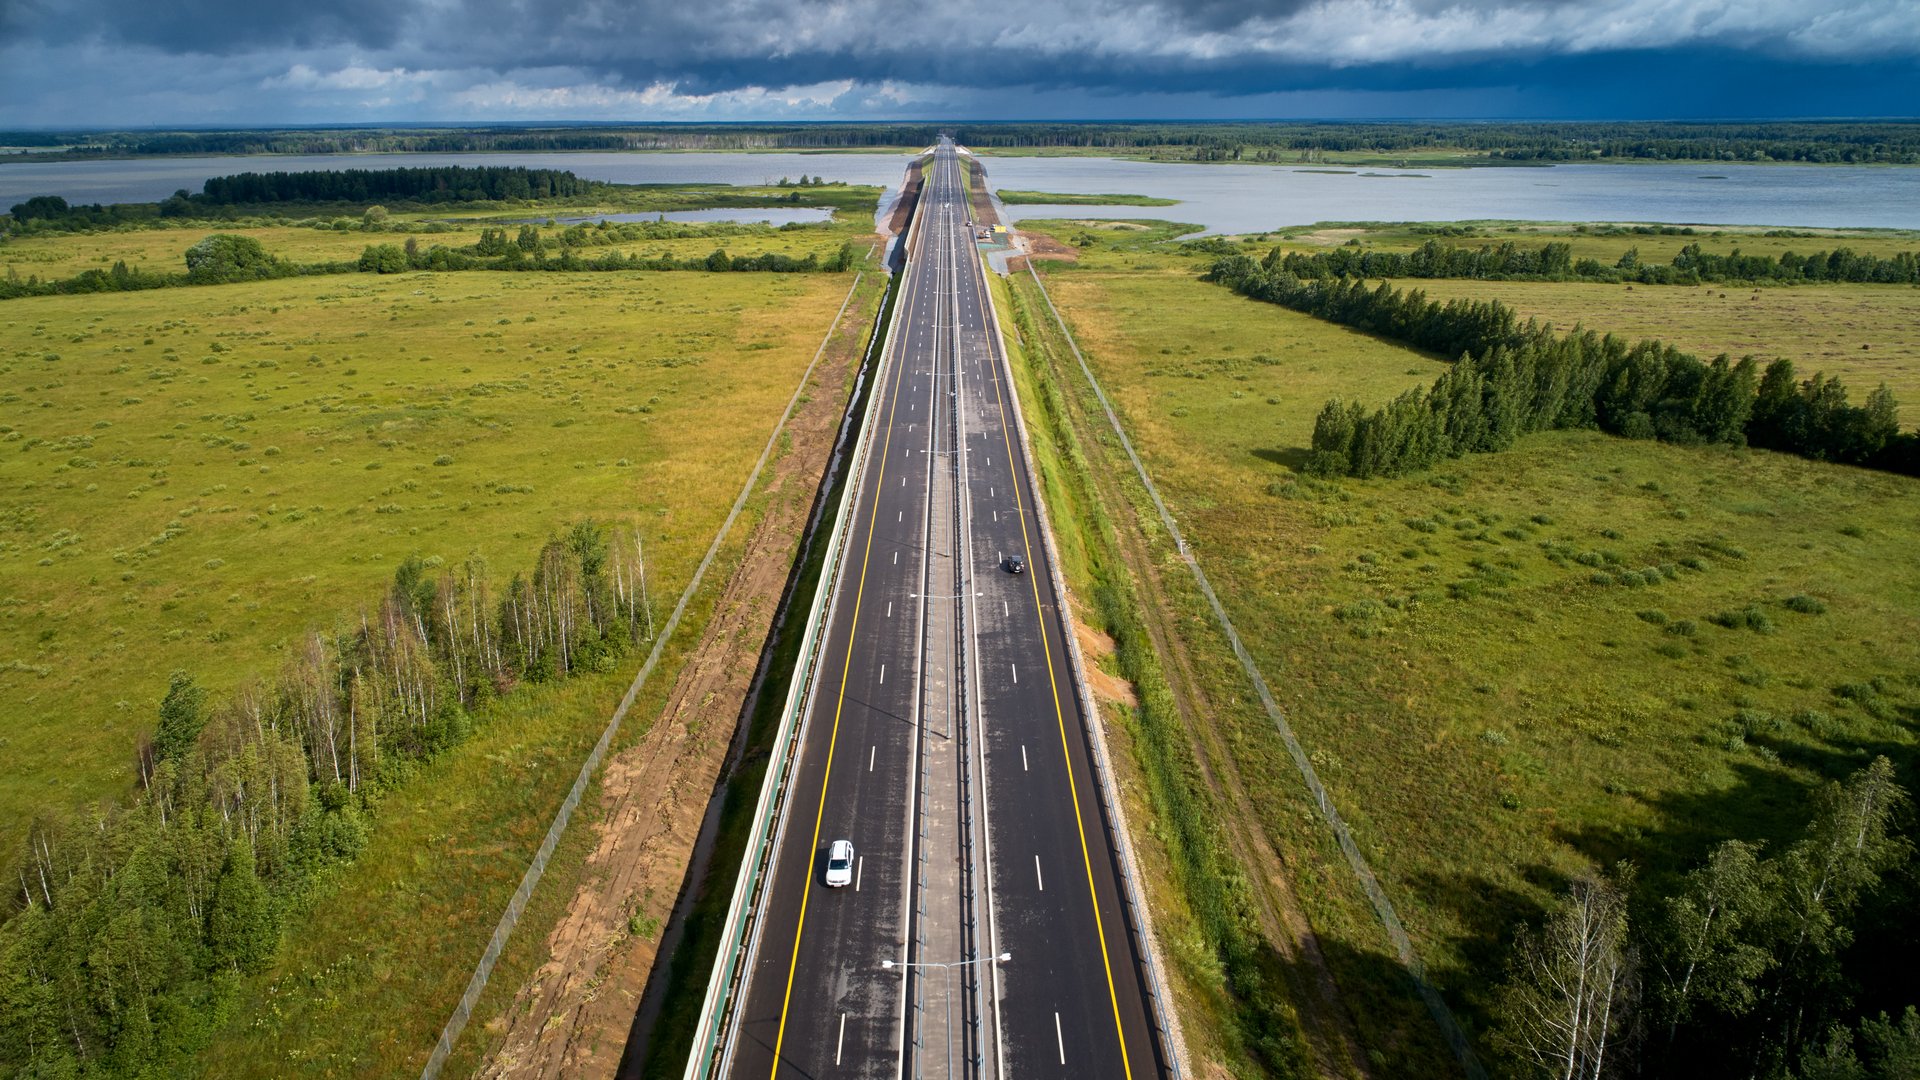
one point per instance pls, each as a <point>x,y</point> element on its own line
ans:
<point>1841,141</point>
<point>446,183</point>
<point>1892,142</point>
<point>1554,261</point>
<point>130,926</point>
<point>440,184</point>
<point>1747,968</point>
<point>1515,378</point>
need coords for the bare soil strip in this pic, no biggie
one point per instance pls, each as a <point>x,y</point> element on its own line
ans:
<point>573,1017</point>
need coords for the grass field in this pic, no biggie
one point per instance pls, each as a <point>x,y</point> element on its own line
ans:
<point>62,255</point>
<point>190,478</point>
<point>1510,668</point>
<point>1862,333</point>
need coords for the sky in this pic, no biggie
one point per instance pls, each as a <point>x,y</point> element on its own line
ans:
<point>138,63</point>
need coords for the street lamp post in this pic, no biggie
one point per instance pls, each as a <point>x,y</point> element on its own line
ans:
<point>948,966</point>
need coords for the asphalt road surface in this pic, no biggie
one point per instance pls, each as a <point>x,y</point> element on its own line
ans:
<point>910,627</point>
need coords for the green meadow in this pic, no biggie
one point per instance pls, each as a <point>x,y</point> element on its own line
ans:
<point>1507,670</point>
<point>192,478</point>
<point>1861,333</point>
<point>163,250</point>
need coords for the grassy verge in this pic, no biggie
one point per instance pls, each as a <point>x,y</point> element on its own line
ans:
<point>1012,197</point>
<point>1493,686</point>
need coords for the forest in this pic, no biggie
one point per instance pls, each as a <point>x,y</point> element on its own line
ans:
<point>130,926</point>
<point>1513,378</point>
<point>1849,142</point>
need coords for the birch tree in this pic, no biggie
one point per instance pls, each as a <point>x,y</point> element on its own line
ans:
<point>1710,952</point>
<point>1569,1001</point>
<point>1823,876</point>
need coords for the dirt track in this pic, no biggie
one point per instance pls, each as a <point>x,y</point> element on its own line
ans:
<point>572,1018</point>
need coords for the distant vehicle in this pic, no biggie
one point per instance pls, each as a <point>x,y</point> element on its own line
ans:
<point>1016,565</point>
<point>840,863</point>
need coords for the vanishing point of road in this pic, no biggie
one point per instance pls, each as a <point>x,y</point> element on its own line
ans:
<point>945,737</point>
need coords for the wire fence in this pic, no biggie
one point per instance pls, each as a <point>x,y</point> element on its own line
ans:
<point>1382,907</point>
<point>510,918</point>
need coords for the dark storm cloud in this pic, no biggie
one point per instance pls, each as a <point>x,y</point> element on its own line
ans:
<point>215,26</point>
<point>369,54</point>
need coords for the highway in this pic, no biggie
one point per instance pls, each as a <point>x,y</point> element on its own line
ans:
<point>945,738</point>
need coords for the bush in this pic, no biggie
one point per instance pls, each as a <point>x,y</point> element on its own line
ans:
<point>383,259</point>
<point>1748,618</point>
<point>224,257</point>
<point>1806,605</point>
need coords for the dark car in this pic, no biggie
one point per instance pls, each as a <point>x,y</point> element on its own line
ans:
<point>1015,564</point>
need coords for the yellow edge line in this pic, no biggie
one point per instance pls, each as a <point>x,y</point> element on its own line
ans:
<point>833,739</point>
<point>1060,719</point>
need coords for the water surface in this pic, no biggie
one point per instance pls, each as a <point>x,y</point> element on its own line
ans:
<point>1220,198</point>
<point>153,179</point>
<point>1252,198</point>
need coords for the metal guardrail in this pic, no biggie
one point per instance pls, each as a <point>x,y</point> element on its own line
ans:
<point>713,1037</point>
<point>1161,1007</point>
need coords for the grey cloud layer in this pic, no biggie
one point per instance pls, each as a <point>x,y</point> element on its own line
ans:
<point>1230,46</point>
<point>143,62</point>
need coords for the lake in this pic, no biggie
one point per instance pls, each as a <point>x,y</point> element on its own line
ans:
<point>153,179</point>
<point>1253,198</point>
<point>1220,198</point>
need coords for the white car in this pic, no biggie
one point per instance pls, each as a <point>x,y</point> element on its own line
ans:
<point>839,864</point>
